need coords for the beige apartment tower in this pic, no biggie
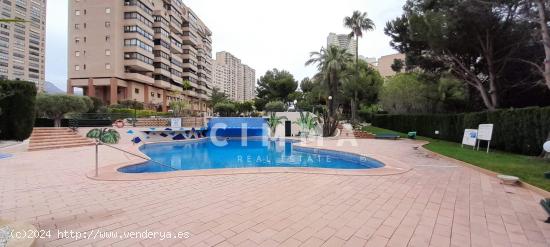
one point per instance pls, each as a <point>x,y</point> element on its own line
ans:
<point>236,80</point>
<point>151,51</point>
<point>23,44</point>
<point>344,41</point>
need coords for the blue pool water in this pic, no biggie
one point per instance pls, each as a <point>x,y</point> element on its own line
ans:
<point>205,154</point>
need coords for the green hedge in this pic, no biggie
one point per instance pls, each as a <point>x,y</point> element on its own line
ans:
<point>129,113</point>
<point>17,105</point>
<point>520,131</point>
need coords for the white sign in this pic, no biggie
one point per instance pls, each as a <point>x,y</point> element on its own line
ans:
<point>470,137</point>
<point>175,122</point>
<point>485,132</point>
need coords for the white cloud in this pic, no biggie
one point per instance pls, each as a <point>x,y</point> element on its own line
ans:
<point>263,34</point>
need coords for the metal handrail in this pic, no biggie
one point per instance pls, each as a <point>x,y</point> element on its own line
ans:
<point>97,143</point>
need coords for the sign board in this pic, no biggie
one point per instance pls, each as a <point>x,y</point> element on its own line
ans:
<point>470,137</point>
<point>175,122</point>
<point>485,132</point>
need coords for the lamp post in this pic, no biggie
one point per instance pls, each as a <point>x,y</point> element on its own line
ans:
<point>295,105</point>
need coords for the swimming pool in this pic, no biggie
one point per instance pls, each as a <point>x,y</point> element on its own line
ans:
<point>205,154</point>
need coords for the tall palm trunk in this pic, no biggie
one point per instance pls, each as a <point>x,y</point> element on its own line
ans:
<point>354,98</point>
<point>545,33</point>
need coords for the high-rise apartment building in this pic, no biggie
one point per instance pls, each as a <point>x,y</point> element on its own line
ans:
<point>236,80</point>
<point>151,51</point>
<point>23,44</point>
<point>343,41</point>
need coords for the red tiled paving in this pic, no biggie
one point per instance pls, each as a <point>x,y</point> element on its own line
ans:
<point>437,203</point>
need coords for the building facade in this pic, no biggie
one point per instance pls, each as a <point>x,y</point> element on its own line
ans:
<point>151,51</point>
<point>385,62</point>
<point>343,41</point>
<point>23,44</point>
<point>236,80</point>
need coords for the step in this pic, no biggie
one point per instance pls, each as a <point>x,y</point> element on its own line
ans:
<point>53,134</point>
<point>55,141</point>
<point>59,146</point>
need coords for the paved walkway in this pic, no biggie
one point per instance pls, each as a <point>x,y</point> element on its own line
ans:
<point>438,203</point>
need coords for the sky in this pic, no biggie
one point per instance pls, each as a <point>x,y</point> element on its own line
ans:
<point>263,34</point>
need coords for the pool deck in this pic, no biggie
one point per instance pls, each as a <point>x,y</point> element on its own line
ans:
<point>437,202</point>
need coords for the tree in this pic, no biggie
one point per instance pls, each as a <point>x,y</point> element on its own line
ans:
<point>273,121</point>
<point>244,108</point>
<point>56,106</point>
<point>275,85</point>
<point>332,64</point>
<point>357,22</point>
<point>17,104</point>
<point>414,92</point>
<point>225,109</point>
<point>179,108</point>
<point>365,88</point>
<point>307,85</point>
<point>490,35</point>
<point>545,40</point>
<point>275,106</point>
<point>217,96</point>
<point>397,65</point>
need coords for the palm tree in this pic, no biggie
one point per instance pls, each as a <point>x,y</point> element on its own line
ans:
<point>332,63</point>
<point>357,22</point>
<point>307,122</point>
<point>273,121</point>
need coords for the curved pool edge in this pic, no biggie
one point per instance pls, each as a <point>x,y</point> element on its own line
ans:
<point>111,173</point>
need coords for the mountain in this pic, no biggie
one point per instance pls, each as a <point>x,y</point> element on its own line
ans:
<point>50,88</point>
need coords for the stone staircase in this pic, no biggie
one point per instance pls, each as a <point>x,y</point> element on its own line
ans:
<point>54,138</point>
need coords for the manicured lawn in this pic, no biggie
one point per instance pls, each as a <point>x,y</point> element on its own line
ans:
<point>529,169</point>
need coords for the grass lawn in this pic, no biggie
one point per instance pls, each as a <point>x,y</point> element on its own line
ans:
<point>529,169</point>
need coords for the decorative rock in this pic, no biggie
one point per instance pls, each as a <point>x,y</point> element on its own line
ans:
<point>509,180</point>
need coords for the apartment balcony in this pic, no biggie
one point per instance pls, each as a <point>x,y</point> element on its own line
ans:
<point>162,84</point>
<point>139,78</point>
<point>137,65</point>
<point>191,93</point>
<point>190,66</point>
<point>176,88</point>
<point>163,72</point>
<point>190,75</point>
<point>175,49</point>
<point>176,78</point>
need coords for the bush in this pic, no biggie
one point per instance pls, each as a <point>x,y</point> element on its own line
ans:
<point>129,113</point>
<point>17,109</point>
<point>225,109</point>
<point>520,131</point>
<point>131,104</point>
<point>275,106</point>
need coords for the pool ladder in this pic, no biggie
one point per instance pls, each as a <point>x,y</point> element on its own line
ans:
<point>98,143</point>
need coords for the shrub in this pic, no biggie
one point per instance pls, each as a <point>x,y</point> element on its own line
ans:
<point>520,131</point>
<point>131,104</point>
<point>275,106</point>
<point>225,109</point>
<point>129,113</point>
<point>55,106</point>
<point>17,109</point>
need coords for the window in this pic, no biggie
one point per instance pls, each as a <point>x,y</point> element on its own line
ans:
<point>158,95</point>
<point>136,90</point>
<point>107,52</point>
<point>77,67</point>
<point>84,11</point>
<point>77,40</point>
<point>77,53</point>
<point>84,67</point>
<point>152,94</point>
<point>107,10</point>
<point>107,24</point>
<point>107,38</point>
<point>84,25</point>
<point>76,26</point>
<point>77,12</point>
<point>107,66</point>
<point>84,39</point>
